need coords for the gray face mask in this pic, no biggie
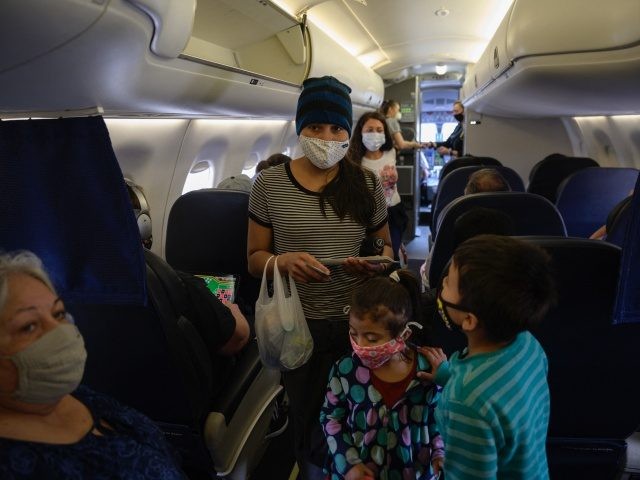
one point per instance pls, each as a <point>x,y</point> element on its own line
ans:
<point>51,367</point>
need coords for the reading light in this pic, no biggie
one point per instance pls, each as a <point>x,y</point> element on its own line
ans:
<point>441,69</point>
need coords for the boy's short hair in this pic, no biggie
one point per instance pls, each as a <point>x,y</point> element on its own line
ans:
<point>507,283</point>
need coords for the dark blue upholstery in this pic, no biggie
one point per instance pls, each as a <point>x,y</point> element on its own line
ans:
<point>452,186</point>
<point>547,175</point>
<point>586,197</point>
<point>207,234</point>
<point>589,358</point>
<point>627,309</point>
<point>531,215</point>
<point>618,222</point>
<point>54,174</point>
<point>144,354</point>
<point>468,161</point>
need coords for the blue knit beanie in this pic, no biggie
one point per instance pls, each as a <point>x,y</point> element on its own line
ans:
<point>324,100</point>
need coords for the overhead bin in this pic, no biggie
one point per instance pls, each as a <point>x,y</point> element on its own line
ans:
<point>550,58</point>
<point>238,58</point>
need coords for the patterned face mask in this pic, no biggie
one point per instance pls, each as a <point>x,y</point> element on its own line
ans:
<point>323,153</point>
<point>377,355</point>
<point>444,314</point>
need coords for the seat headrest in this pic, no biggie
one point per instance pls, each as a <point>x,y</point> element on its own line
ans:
<point>63,197</point>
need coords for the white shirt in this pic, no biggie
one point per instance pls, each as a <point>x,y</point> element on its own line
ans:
<point>385,169</point>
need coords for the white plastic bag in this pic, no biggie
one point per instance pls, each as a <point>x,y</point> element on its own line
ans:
<point>284,340</point>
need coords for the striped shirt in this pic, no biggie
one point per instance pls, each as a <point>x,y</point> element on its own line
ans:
<point>293,213</point>
<point>494,412</point>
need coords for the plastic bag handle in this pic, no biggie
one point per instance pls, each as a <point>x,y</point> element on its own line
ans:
<point>264,294</point>
<point>278,292</point>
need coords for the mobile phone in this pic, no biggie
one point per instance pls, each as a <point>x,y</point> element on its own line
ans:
<point>321,272</point>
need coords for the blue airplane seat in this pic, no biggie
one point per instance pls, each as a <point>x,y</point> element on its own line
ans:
<point>63,196</point>
<point>531,215</point>
<point>593,363</point>
<point>618,222</point>
<point>207,234</point>
<point>452,186</point>
<point>467,161</point>
<point>586,197</point>
<point>547,175</point>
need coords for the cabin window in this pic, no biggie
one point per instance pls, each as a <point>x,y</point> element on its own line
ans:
<point>200,176</point>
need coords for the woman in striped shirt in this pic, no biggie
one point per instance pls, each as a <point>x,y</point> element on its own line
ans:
<point>321,205</point>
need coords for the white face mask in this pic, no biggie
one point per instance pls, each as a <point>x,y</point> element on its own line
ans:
<point>323,153</point>
<point>399,116</point>
<point>373,140</point>
<point>51,367</point>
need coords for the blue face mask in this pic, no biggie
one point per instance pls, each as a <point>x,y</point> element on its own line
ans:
<point>373,140</point>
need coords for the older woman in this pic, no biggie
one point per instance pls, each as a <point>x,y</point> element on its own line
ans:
<point>49,427</point>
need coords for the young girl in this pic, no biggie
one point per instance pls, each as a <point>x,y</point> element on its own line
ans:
<point>372,148</point>
<point>378,417</point>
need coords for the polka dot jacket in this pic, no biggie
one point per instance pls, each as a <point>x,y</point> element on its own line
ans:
<point>396,443</point>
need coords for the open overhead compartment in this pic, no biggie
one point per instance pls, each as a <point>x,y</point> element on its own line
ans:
<point>550,58</point>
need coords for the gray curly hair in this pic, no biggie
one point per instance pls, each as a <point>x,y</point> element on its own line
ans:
<point>25,262</point>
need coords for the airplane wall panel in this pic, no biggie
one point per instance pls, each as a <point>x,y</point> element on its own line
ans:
<point>517,143</point>
<point>231,146</point>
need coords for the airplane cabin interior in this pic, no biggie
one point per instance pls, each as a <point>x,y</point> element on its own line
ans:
<point>176,95</point>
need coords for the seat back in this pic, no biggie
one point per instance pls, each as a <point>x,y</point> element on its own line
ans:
<point>586,197</point>
<point>588,354</point>
<point>547,175</point>
<point>627,309</point>
<point>452,186</point>
<point>139,351</point>
<point>618,222</point>
<point>468,161</point>
<point>531,215</point>
<point>207,234</point>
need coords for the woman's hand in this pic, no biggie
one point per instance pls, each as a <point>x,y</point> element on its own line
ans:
<point>359,472</point>
<point>361,268</point>
<point>435,357</point>
<point>303,267</point>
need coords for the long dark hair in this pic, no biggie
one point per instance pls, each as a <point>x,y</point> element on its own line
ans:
<point>356,147</point>
<point>349,192</point>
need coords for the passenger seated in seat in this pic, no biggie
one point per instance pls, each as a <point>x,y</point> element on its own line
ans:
<point>483,180</point>
<point>272,161</point>
<point>50,427</point>
<point>494,410</point>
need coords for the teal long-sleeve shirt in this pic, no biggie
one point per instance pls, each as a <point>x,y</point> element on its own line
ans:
<point>494,412</point>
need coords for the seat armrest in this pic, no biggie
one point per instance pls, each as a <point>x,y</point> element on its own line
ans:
<point>246,369</point>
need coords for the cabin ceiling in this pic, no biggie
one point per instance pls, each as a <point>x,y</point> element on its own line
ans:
<point>403,38</point>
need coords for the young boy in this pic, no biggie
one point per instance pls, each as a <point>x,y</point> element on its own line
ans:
<point>494,410</point>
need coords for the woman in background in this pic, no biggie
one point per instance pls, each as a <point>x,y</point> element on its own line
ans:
<point>391,110</point>
<point>372,147</point>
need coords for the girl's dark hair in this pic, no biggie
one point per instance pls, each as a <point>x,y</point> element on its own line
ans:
<point>506,283</point>
<point>383,299</point>
<point>356,147</point>
<point>386,105</point>
<point>349,193</point>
